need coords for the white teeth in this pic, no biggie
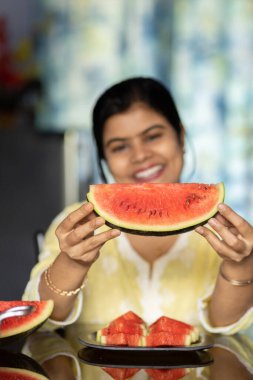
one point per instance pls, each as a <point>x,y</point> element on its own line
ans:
<point>149,172</point>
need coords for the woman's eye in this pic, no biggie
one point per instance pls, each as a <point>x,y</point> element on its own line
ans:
<point>118,148</point>
<point>153,137</point>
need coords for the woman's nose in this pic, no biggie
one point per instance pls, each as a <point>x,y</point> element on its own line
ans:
<point>140,153</point>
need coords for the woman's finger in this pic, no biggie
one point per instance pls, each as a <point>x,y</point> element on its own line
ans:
<point>82,231</point>
<point>223,220</point>
<point>94,242</point>
<point>243,227</point>
<point>227,236</point>
<point>226,223</point>
<point>219,245</point>
<point>74,217</point>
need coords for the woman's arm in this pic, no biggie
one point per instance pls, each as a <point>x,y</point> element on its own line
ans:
<point>79,249</point>
<point>235,245</point>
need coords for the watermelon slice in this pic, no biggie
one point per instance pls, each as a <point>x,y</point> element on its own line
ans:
<point>125,330</point>
<point>19,374</point>
<point>174,326</point>
<point>122,339</point>
<point>165,331</point>
<point>167,374</point>
<point>129,316</point>
<point>125,327</point>
<point>128,323</point>
<point>156,208</point>
<point>162,338</point>
<point>18,325</point>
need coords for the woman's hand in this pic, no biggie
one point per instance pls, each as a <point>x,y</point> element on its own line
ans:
<point>236,236</point>
<point>76,235</point>
<point>79,248</point>
<point>232,239</point>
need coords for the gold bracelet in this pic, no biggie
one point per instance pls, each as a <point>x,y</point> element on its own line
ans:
<point>235,282</point>
<point>66,293</point>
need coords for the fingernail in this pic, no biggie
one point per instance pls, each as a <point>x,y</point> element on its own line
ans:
<point>200,230</point>
<point>88,206</point>
<point>115,232</point>
<point>222,207</point>
<point>99,222</point>
<point>213,222</point>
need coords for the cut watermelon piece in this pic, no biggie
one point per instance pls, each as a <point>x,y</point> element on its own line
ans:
<point>175,326</point>
<point>163,338</point>
<point>165,331</point>
<point>122,339</point>
<point>126,327</point>
<point>167,374</point>
<point>129,316</point>
<point>19,374</point>
<point>156,208</point>
<point>123,330</point>
<point>18,325</point>
<point>121,373</point>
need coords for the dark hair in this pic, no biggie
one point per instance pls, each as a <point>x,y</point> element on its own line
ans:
<point>121,96</point>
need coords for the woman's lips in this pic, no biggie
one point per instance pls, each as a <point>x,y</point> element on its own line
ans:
<point>149,174</point>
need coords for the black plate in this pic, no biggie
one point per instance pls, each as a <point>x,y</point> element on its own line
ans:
<point>145,359</point>
<point>20,361</point>
<point>89,340</point>
<point>5,341</point>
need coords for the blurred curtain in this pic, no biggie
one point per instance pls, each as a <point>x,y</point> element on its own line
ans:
<point>202,49</point>
<point>86,45</point>
<point>211,76</point>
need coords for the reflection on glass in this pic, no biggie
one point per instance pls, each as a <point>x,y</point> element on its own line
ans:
<point>230,358</point>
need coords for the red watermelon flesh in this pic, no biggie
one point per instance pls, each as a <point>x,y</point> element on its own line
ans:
<point>129,316</point>
<point>121,373</point>
<point>126,327</point>
<point>122,339</point>
<point>167,339</point>
<point>17,325</point>
<point>174,326</point>
<point>19,374</point>
<point>167,374</point>
<point>156,208</point>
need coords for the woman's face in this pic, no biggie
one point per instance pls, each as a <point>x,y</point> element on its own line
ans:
<point>140,145</point>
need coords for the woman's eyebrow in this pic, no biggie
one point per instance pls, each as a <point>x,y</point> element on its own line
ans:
<point>155,126</point>
<point>115,139</point>
<point>122,139</point>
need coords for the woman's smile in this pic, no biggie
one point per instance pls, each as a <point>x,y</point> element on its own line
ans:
<point>140,145</point>
<point>149,174</point>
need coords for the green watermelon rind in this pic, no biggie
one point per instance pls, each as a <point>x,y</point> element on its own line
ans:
<point>157,230</point>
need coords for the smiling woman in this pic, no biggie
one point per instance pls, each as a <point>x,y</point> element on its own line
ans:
<point>140,122</point>
<point>140,137</point>
<point>140,145</point>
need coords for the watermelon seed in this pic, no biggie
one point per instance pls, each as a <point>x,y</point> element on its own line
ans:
<point>152,212</point>
<point>192,198</point>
